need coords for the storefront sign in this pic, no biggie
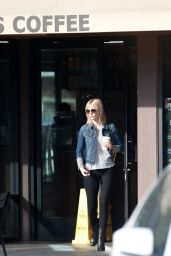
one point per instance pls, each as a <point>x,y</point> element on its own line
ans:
<point>47,23</point>
<point>84,22</point>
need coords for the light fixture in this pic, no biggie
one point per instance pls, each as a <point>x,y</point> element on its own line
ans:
<point>114,42</point>
<point>4,42</point>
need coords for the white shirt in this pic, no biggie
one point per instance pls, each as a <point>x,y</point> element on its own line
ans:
<point>102,158</point>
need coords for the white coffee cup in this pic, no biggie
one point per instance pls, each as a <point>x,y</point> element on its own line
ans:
<point>106,139</point>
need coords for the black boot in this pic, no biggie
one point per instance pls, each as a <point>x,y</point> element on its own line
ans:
<point>94,235</point>
<point>101,240</point>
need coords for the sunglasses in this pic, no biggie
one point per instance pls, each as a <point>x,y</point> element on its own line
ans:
<point>90,110</point>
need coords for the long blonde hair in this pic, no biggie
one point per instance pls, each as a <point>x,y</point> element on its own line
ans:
<point>97,103</point>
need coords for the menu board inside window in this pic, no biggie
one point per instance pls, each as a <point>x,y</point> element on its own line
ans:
<point>82,69</point>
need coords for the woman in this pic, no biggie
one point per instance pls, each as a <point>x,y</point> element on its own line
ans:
<point>97,140</point>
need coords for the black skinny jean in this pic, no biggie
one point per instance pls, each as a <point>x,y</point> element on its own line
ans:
<point>98,180</point>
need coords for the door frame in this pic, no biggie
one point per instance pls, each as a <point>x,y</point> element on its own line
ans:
<point>36,119</point>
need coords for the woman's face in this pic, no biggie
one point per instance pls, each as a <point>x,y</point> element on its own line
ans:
<point>92,112</point>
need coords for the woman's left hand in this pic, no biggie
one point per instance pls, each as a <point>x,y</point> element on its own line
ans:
<point>108,144</point>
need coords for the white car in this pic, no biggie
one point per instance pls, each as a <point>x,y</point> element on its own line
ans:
<point>148,230</point>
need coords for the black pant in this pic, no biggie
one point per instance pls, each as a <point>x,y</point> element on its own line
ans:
<point>100,180</point>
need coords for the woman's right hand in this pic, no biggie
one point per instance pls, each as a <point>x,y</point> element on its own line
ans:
<point>84,171</point>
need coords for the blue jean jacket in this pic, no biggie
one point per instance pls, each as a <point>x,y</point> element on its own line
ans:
<point>87,140</point>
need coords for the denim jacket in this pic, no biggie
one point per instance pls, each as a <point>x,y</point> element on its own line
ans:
<point>87,140</point>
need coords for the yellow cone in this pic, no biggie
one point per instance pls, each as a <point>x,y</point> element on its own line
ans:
<point>82,235</point>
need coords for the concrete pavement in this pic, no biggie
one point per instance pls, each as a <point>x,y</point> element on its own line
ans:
<point>53,249</point>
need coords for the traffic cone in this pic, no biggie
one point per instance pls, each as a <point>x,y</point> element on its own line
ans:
<point>82,234</point>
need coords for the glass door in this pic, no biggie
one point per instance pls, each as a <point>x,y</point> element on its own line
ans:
<point>120,100</point>
<point>69,77</point>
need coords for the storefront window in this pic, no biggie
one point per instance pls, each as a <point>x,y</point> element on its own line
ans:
<point>168,129</point>
<point>166,99</point>
<point>9,140</point>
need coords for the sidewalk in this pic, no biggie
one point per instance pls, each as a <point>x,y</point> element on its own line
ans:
<point>53,249</point>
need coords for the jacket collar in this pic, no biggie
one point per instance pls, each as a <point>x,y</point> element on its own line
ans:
<point>92,126</point>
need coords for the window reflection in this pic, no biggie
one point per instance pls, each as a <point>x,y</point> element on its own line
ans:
<point>62,127</point>
<point>48,111</point>
<point>67,77</point>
